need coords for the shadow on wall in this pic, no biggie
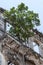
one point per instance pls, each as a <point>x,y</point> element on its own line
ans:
<point>30,62</point>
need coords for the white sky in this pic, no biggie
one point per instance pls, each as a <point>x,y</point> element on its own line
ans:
<point>35,5</point>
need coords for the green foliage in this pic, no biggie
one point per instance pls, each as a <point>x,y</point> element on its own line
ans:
<point>23,21</point>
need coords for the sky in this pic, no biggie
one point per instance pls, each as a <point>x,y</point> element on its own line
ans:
<point>35,5</point>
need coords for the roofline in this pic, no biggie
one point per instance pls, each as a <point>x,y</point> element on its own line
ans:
<point>2,10</point>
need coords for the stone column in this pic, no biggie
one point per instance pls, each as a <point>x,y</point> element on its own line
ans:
<point>41,49</point>
<point>30,43</point>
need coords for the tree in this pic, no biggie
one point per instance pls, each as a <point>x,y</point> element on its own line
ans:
<point>22,20</point>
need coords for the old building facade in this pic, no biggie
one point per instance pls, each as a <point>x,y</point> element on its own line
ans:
<point>14,52</point>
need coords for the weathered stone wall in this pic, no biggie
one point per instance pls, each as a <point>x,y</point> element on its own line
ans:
<point>18,54</point>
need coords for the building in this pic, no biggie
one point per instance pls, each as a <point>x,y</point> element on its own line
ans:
<point>14,52</point>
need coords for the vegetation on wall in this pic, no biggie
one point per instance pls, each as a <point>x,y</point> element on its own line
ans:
<point>22,20</point>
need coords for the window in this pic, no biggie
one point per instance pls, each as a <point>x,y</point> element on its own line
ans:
<point>35,47</point>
